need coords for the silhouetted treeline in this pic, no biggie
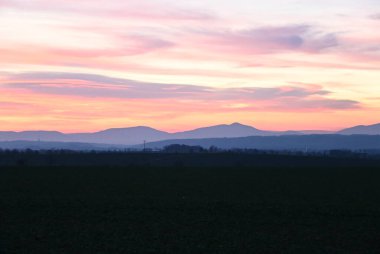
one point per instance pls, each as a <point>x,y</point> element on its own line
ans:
<point>188,156</point>
<point>184,149</point>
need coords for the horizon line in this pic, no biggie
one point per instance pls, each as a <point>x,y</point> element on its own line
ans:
<point>186,130</point>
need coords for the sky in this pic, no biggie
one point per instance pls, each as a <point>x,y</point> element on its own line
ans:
<point>88,65</point>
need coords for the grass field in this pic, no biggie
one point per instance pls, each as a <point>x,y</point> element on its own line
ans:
<point>189,210</point>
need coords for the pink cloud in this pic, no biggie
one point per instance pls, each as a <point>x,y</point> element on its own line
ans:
<point>97,86</point>
<point>268,40</point>
<point>375,16</point>
<point>132,45</point>
<point>6,3</point>
<point>128,9</point>
<point>28,55</point>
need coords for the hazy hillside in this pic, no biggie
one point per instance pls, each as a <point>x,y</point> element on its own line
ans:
<point>33,136</point>
<point>295,142</point>
<point>40,145</point>
<point>122,136</point>
<point>362,129</point>
<point>137,135</point>
<point>227,131</point>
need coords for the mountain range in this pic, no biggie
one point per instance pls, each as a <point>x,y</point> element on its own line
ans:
<point>137,135</point>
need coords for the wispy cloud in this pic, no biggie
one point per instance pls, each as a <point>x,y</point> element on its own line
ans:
<point>98,86</point>
<point>128,9</point>
<point>130,45</point>
<point>237,58</point>
<point>12,105</point>
<point>266,40</point>
<point>375,16</point>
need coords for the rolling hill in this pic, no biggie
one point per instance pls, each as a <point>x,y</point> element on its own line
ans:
<point>362,130</point>
<point>292,142</point>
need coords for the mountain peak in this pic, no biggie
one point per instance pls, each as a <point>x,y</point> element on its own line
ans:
<point>133,129</point>
<point>242,126</point>
<point>237,124</point>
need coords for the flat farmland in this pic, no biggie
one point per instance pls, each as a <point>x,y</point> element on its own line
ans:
<point>189,209</point>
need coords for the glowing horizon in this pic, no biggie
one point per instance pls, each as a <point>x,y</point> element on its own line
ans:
<point>177,65</point>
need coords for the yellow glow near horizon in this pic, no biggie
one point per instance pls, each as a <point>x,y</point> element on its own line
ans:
<point>87,67</point>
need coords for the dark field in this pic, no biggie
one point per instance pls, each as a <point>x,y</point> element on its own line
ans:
<point>189,210</point>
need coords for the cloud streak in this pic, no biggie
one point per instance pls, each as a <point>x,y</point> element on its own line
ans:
<point>98,86</point>
<point>269,40</point>
<point>241,60</point>
<point>131,45</point>
<point>128,9</point>
<point>375,16</point>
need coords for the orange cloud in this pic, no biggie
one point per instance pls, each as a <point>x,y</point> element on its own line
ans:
<point>236,68</point>
<point>92,102</point>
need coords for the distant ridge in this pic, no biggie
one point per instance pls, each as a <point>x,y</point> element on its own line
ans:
<point>137,135</point>
<point>72,146</point>
<point>362,130</point>
<point>304,143</point>
<point>117,136</point>
<point>225,131</point>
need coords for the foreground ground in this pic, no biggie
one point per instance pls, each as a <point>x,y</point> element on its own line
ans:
<point>189,210</point>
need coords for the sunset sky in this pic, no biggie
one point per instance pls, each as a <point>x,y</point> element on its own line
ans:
<point>88,65</point>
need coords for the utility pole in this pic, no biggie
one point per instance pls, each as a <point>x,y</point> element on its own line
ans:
<point>144,145</point>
